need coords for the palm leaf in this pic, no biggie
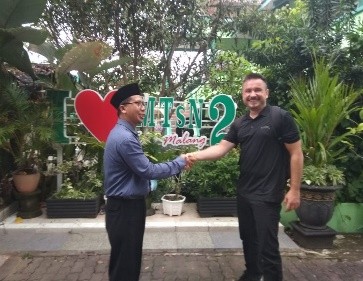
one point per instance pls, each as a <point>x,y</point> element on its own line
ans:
<point>321,104</point>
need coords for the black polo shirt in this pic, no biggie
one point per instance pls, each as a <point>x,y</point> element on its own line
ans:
<point>262,169</point>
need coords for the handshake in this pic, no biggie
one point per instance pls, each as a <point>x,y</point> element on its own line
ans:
<point>190,159</point>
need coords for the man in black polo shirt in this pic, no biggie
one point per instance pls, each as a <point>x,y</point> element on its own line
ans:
<point>263,175</point>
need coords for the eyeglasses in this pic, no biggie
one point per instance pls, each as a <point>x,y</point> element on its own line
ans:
<point>138,103</point>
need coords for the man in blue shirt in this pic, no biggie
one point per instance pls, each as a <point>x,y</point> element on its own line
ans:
<point>127,174</point>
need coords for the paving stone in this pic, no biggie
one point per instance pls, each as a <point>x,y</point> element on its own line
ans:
<point>176,266</point>
<point>175,248</point>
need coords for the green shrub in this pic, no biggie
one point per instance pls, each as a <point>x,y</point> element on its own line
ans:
<point>325,175</point>
<point>214,178</point>
<point>81,180</point>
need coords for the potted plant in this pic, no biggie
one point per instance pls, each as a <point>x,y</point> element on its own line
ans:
<point>213,184</point>
<point>26,133</point>
<point>23,120</point>
<point>152,146</point>
<point>173,202</point>
<point>326,180</point>
<point>320,106</point>
<point>26,129</point>
<point>80,193</point>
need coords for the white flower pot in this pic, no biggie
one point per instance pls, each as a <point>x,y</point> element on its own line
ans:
<point>172,207</point>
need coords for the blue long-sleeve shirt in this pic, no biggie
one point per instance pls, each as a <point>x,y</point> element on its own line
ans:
<point>127,170</point>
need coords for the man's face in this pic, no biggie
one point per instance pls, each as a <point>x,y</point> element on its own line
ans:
<point>255,94</point>
<point>134,109</point>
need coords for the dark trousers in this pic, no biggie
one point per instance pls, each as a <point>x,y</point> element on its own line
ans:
<point>258,227</point>
<point>125,225</point>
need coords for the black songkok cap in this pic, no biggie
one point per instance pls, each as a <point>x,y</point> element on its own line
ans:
<point>124,92</point>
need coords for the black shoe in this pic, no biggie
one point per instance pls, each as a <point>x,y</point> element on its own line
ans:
<point>246,277</point>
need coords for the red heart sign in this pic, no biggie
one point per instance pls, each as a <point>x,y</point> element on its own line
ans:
<point>96,112</point>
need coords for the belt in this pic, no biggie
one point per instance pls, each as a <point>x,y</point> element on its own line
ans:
<point>132,197</point>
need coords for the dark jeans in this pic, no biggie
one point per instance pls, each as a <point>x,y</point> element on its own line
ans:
<point>258,227</point>
<point>125,225</point>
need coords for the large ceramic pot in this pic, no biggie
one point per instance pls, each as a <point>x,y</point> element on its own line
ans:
<point>26,181</point>
<point>317,206</point>
<point>29,204</point>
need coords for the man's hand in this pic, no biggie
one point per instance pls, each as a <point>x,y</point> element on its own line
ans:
<point>192,157</point>
<point>292,200</point>
<point>189,161</point>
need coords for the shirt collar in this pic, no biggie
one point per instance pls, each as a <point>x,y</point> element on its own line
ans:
<point>128,126</point>
<point>264,112</point>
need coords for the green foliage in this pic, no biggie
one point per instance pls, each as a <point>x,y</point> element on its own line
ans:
<point>25,125</point>
<point>84,56</point>
<point>89,145</point>
<point>353,192</point>
<point>14,14</point>
<point>285,39</point>
<point>82,180</point>
<point>226,74</point>
<point>175,184</point>
<point>278,44</point>
<point>154,36</point>
<point>349,61</point>
<point>161,190</point>
<point>325,14</point>
<point>88,59</point>
<point>326,175</point>
<point>152,146</point>
<point>227,71</point>
<point>321,104</point>
<point>214,178</point>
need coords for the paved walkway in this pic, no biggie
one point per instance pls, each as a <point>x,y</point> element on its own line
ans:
<point>175,248</point>
<point>169,266</point>
<point>184,233</point>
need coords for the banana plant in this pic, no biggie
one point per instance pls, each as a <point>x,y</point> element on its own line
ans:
<point>16,17</point>
<point>87,58</point>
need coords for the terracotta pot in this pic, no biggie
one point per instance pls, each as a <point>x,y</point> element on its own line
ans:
<point>26,182</point>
